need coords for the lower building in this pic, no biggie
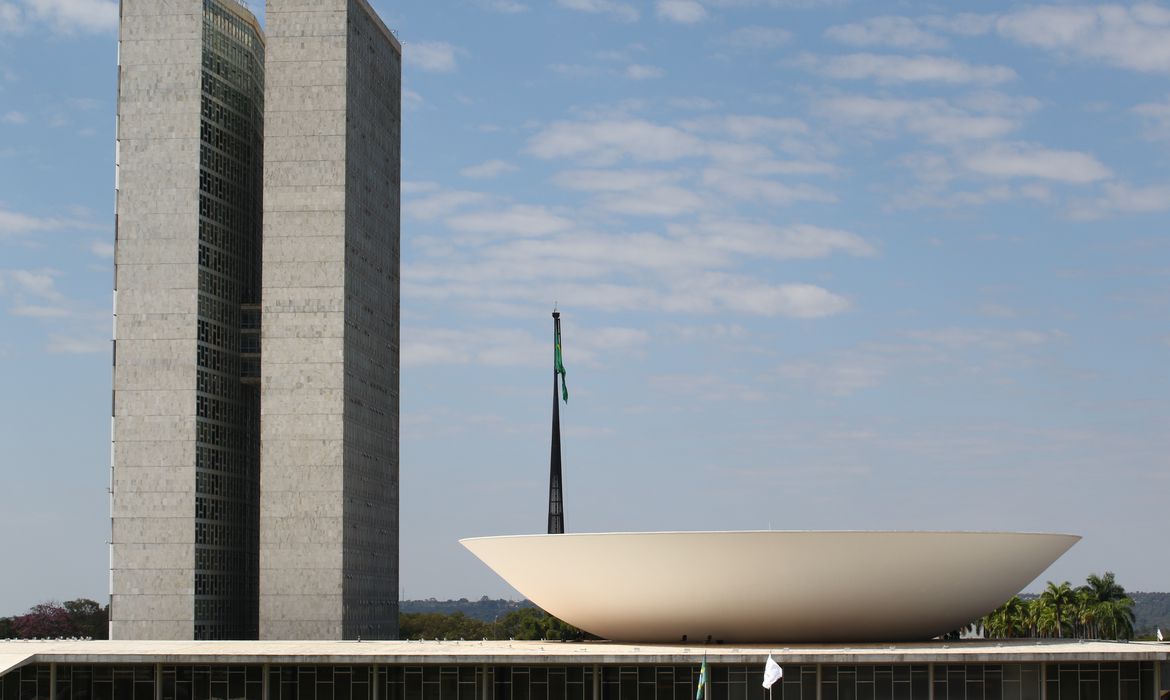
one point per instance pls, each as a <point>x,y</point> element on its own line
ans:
<point>492,670</point>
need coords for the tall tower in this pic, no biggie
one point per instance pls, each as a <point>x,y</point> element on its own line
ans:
<point>185,453</point>
<point>256,495</point>
<point>329,374</point>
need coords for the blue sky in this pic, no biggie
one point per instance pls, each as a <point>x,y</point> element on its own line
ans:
<point>822,264</point>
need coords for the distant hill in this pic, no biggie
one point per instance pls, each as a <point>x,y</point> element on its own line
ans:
<point>1150,610</point>
<point>485,609</point>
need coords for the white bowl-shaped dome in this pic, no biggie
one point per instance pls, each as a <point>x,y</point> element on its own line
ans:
<point>773,586</point>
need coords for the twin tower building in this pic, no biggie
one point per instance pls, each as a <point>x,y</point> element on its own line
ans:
<point>256,332</point>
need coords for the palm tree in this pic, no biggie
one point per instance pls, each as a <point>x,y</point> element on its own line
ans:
<point>1058,602</point>
<point>1008,620</point>
<point>1107,609</point>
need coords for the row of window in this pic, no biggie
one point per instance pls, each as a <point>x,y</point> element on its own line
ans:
<point>1091,681</point>
<point>208,559</point>
<point>244,103</point>
<point>226,460</point>
<point>223,225</point>
<point>230,26</point>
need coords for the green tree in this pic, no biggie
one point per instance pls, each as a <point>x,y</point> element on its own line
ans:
<point>434,625</point>
<point>1008,620</point>
<point>1106,610</point>
<point>89,618</point>
<point>1058,603</point>
<point>534,623</point>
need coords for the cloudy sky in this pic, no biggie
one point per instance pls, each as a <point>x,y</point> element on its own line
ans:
<point>822,264</point>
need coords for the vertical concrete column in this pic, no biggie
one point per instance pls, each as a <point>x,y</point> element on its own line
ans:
<point>329,374</point>
<point>156,281</point>
<point>302,321</point>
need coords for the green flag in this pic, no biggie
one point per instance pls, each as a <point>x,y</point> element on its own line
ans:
<point>704,680</point>
<point>559,365</point>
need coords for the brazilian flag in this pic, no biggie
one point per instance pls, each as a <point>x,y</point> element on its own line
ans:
<point>704,678</point>
<point>559,365</point>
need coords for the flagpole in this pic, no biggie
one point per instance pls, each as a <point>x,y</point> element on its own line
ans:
<point>556,506</point>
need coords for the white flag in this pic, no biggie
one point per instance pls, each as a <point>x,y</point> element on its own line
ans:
<point>1160,639</point>
<point>772,672</point>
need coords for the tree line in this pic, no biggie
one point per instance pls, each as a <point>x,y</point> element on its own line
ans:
<point>524,623</point>
<point>1099,609</point>
<point>86,618</point>
<point>73,618</point>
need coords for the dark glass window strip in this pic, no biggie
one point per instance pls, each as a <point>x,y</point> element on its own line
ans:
<point>1101,681</point>
<point>100,682</point>
<point>227,409</point>
<point>1087,681</point>
<point>25,683</point>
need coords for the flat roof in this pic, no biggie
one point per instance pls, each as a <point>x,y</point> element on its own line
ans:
<point>14,654</point>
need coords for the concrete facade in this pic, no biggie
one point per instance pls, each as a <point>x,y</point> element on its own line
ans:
<point>329,373</point>
<point>207,275</point>
<point>152,551</point>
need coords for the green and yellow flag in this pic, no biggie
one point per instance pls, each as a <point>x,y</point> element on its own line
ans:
<point>559,365</point>
<point>703,680</point>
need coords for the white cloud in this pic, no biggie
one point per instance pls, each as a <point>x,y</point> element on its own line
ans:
<point>666,201</point>
<point>1157,118</point>
<point>842,375</point>
<point>35,311</point>
<point>962,24</point>
<point>11,18</point>
<point>488,169</point>
<point>39,284</point>
<point>751,296</point>
<point>412,100</point>
<point>983,339</point>
<point>74,345</point>
<point>102,249</point>
<point>895,32</point>
<point>936,120</point>
<point>758,240</point>
<point>609,141</point>
<point>14,118</point>
<point>643,72</point>
<point>887,69</point>
<point>692,103</point>
<point>614,180</point>
<point>431,56</point>
<point>706,387</point>
<point>623,12</point>
<point>62,16</point>
<point>438,205</point>
<point>518,220</point>
<point>1120,198</point>
<point>14,223</point>
<point>756,38</point>
<point>508,7</point>
<point>418,186</point>
<point>1011,161</point>
<point>574,70</point>
<point>779,4</point>
<point>740,186</point>
<point>682,11</point>
<point>1135,37</point>
<point>746,127</point>
<point>492,347</point>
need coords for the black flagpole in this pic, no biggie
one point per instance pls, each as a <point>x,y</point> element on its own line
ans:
<point>556,510</point>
